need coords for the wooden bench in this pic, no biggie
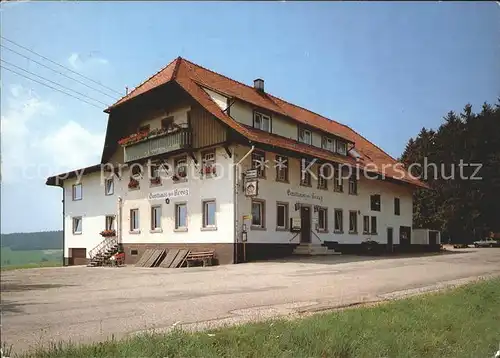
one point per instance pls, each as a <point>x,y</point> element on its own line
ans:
<point>206,257</point>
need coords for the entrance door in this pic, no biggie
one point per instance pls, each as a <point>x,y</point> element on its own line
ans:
<point>404,235</point>
<point>432,237</point>
<point>305,224</point>
<point>390,233</point>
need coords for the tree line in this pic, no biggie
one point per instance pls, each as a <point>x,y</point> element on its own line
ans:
<point>43,240</point>
<point>463,201</point>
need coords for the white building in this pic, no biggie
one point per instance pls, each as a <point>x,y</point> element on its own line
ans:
<point>176,171</point>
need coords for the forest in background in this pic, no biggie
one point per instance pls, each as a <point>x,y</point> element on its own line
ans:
<point>462,209</point>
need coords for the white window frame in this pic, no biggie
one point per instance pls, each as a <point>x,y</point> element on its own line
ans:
<point>353,229</point>
<point>371,225</point>
<point>259,119</point>
<point>259,155</point>
<point>107,220</point>
<point>285,216</point>
<point>106,191</point>
<point>366,224</point>
<point>338,182</point>
<point>302,138</point>
<point>282,172</point>
<point>339,225</point>
<point>181,162</point>
<point>155,222</point>
<point>134,213</point>
<point>341,147</point>
<point>208,161</point>
<point>75,226</point>
<point>322,212</point>
<point>205,223</point>
<point>353,185</point>
<point>73,192</point>
<point>178,226</point>
<point>262,213</point>
<point>328,144</point>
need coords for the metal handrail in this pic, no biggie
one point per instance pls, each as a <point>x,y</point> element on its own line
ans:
<point>103,245</point>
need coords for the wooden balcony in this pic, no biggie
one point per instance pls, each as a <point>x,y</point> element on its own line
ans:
<point>161,144</point>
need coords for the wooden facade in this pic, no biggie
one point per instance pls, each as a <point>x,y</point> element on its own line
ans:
<point>206,129</point>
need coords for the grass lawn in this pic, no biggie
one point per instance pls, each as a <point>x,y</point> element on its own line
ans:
<point>15,259</point>
<point>463,322</point>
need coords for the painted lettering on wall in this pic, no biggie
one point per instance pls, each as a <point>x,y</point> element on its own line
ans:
<point>297,194</point>
<point>174,193</point>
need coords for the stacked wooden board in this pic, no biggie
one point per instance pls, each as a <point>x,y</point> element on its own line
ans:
<point>174,258</point>
<point>151,258</point>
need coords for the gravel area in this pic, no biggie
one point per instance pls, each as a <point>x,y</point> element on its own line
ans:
<point>90,304</point>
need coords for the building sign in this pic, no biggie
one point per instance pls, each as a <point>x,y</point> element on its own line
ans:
<point>297,194</point>
<point>251,174</point>
<point>296,224</point>
<point>168,194</point>
<point>251,188</point>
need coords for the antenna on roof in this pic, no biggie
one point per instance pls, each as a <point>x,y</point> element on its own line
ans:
<point>126,90</point>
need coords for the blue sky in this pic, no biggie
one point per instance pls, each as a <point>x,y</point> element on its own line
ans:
<point>385,69</point>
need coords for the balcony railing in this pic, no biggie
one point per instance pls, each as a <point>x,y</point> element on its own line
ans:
<point>160,144</point>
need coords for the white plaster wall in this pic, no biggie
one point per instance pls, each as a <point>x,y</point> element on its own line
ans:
<point>272,191</point>
<point>219,188</point>
<point>93,209</point>
<point>219,99</point>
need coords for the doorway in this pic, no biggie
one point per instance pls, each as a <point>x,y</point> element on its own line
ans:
<point>405,236</point>
<point>305,224</point>
<point>433,237</point>
<point>390,239</point>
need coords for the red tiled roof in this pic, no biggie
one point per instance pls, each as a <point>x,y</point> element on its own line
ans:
<point>192,77</point>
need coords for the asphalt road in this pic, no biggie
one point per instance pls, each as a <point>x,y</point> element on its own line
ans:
<point>90,304</point>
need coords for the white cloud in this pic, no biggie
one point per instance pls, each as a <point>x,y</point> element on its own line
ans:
<point>78,61</point>
<point>29,146</point>
<point>72,146</point>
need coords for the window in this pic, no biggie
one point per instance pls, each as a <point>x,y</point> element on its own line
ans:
<point>180,216</point>
<point>156,217</point>
<point>208,163</point>
<point>167,123</point>
<point>375,202</point>
<point>180,167</point>
<point>281,216</point>
<point>262,121</point>
<point>305,136</point>
<point>353,185</point>
<point>366,224</point>
<point>134,220</point>
<point>397,206</point>
<point>322,219</point>
<point>338,184</point>
<point>258,214</point>
<point>374,225</point>
<point>341,147</point>
<point>281,168</point>
<point>323,175</point>
<point>209,210</point>
<point>155,174</point>
<point>353,222</point>
<point>305,175</point>
<point>109,186</point>
<point>339,216</point>
<point>144,128</point>
<point>136,170</point>
<point>110,222</point>
<point>259,163</point>
<point>77,191</point>
<point>77,225</point>
<point>328,144</point>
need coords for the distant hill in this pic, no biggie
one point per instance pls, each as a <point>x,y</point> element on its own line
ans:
<point>43,240</point>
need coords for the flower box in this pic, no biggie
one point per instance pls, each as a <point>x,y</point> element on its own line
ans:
<point>133,183</point>
<point>108,233</point>
<point>209,170</point>
<point>155,181</point>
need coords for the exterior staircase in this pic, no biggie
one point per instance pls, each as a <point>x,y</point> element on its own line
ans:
<point>100,254</point>
<point>313,250</point>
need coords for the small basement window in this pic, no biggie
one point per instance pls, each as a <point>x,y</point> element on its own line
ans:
<point>134,252</point>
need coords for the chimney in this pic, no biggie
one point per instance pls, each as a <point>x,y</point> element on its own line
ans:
<point>258,84</point>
